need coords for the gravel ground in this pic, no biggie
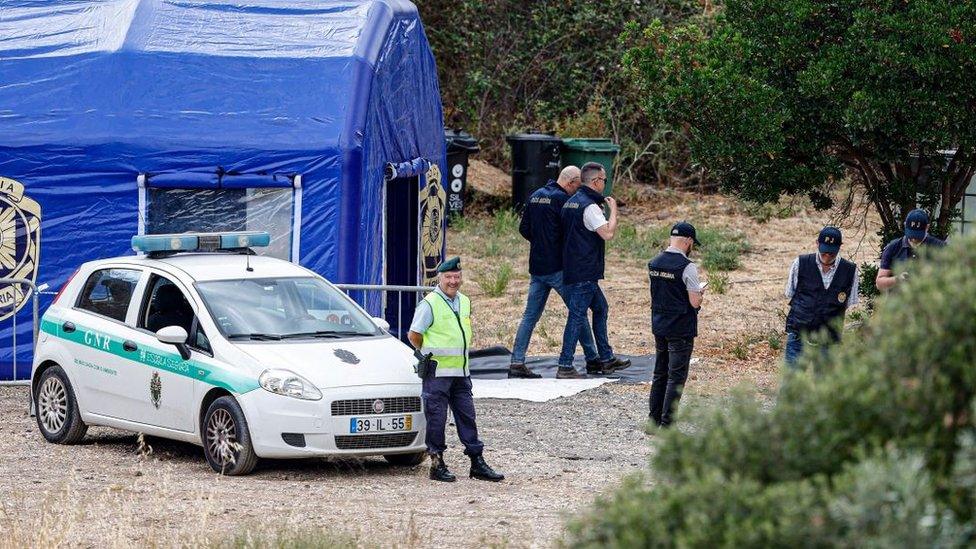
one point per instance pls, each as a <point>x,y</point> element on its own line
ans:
<point>558,456</point>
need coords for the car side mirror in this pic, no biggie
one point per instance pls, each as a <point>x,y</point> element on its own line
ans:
<point>175,335</point>
<point>382,323</point>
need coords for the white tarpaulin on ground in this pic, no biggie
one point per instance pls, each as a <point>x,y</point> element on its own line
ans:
<point>534,390</point>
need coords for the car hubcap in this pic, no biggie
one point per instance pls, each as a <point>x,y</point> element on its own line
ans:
<point>52,402</point>
<point>222,437</point>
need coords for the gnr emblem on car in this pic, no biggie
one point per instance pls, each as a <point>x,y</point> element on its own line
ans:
<point>346,356</point>
<point>156,389</point>
<point>20,243</point>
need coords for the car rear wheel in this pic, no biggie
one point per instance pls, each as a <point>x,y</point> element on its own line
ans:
<point>57,412</point>
<point>226,439</point>
<point>406,460</point>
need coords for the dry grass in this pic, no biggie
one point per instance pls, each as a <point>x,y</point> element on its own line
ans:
<point>737,326</point>
<point>63,516</point>
<point>114,518</point>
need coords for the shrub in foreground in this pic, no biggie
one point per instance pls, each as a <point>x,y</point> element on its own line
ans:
<point>869,445</point>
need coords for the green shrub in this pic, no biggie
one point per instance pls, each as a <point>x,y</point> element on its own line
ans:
<point>904,388</point>
<point>715,511</point>
<point>889,501</point>
<point>640,243</point>
<point>458,222</point>
<point>866,287</point>
<point>506,66</point>
<point>719,283</point>
<point>721,248</point>
<point>495,282</point>
<point>505,223</point>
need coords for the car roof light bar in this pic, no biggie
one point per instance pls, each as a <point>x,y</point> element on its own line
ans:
<point>199,242</point>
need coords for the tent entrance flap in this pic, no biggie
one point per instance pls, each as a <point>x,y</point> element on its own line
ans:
<point>402,233</point>
<point>178,203</point>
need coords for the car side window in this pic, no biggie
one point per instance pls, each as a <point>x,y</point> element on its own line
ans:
<point>198,339</point>
<point>165,305</point>
<point>108,292</point>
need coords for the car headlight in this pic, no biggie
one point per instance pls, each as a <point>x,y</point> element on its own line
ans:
<point>288,383</point>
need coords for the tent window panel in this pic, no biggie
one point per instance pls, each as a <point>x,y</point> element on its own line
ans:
<point>215,210</point>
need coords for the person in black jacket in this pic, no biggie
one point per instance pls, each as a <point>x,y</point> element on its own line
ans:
<point>821,287</point>
<point>585,232</point>
<point>542,227</point>
<point>676,297</point>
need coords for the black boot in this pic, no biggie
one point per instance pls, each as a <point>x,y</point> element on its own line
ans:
<point>481,471</point>
<point>598,367</point>
<point>518,370</point>
<point>438,470</point>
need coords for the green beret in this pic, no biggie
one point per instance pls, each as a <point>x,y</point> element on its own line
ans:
<point>452,264</point>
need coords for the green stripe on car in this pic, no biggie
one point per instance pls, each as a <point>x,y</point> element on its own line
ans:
<point>152,357</point>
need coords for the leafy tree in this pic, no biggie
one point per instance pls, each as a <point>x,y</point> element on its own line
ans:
<point>785,96</point>
<point>511,65</point>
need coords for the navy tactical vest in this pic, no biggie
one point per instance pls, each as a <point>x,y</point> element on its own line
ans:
<point>813,307</point>
<point>542,227</point>
<point>583,249</point>
<point>671,312</point>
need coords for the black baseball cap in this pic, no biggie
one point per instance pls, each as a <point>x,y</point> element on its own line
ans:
<point>829,240</point>
<point>916,223</point>
<point>685,229</point>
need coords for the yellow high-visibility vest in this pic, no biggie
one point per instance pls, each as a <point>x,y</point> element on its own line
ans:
<point>449,335</point>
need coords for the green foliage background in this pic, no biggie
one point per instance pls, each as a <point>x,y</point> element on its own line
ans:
<point>506,66</point>
<point>784,96</point>
<point>872,445</point>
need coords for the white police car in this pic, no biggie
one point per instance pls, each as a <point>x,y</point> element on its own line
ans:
<point>251,357</point>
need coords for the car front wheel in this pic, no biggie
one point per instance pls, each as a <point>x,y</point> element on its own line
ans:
<point>406,460</point>
<point>226,439</point>
<point>57,408</point>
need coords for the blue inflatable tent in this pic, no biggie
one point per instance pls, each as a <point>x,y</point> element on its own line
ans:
<point>123,117</point>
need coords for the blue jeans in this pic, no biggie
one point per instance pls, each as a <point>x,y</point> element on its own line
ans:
<point>539,288</point>
<point>794,348</point>
<point>580,297</point>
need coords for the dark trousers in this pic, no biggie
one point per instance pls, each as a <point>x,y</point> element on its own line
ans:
<point>438,394</point>
<point>671,360</point>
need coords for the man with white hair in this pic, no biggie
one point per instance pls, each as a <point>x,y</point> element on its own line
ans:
<point>441,329</point>
<point>542,226</point>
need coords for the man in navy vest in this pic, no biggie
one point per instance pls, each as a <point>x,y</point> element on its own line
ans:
<point>542,226</point>
<point>585,232</point>
<point>821,287</point>
<point>676,297</point>
<point>905,248</point>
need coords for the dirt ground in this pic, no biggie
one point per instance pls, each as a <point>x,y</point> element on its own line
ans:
<point>559,455</point>
<point>105,493</point>
<point>735,329</point>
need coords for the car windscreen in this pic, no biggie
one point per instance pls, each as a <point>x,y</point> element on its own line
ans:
<point>283,308</point>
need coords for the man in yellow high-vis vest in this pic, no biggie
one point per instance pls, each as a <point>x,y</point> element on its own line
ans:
<point>441,327</point>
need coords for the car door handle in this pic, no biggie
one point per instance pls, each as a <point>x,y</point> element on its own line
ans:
<point>130,346</point>
<point>68,327</point>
